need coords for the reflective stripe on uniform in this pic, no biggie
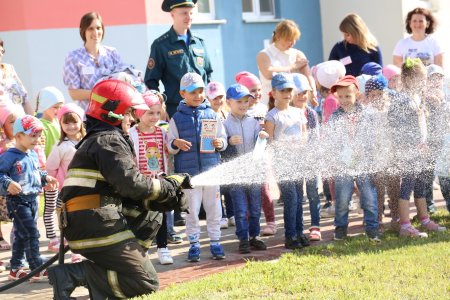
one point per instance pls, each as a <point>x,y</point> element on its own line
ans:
<point>114,284</point>
<point>101,241</point>
<point>156,190</point>
<point>146,244</point>
<point>83,177</point>
<point>130,212</point>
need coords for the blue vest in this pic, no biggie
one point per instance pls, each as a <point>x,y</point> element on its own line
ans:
<point>188,122</point>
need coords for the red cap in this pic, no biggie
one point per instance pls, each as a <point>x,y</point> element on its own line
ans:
<point>347,80</point>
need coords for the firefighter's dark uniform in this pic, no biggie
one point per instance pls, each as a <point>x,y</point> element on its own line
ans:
<point>170,58</point>
<point>102,178</point>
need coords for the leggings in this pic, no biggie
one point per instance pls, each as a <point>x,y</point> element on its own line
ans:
<point>51,199</point>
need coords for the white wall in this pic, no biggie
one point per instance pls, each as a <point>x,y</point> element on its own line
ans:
<point>38,55</point>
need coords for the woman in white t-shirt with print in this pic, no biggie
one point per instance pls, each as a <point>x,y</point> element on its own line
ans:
<point>420,23</point>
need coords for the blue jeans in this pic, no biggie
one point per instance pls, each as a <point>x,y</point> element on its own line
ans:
<point>292,209</point>
<point>247,209</point>
<point>312,193</point>
<point>445,189</point>
<point>369,202</point>
<point>26,241</point>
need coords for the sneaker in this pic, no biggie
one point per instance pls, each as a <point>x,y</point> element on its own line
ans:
<point>352,206</point>
<point>327,204</point>
<point>244,246</point>
<point>373,235</point>
<point>394,226</point>
<point>328,212</point>
<point>180,222</point>
<point>76,258</point>
<point>223,223</point>
<point>270,229</point>
<point>432,226</point>
<point>174,239</point>
<point>412,232</point>
<point>257,244</point>
<point>164,256</point>
<point>293,244</point>
<point>314,234</point>
<point>194,253</point>
<point>53,245</point>
<point>340,233</point>
<point>3,266</point>
<point>42,276</point>
<point>231,222</point>
<point>17,274</point>
<point>217,251</point>
<point>303,240</point>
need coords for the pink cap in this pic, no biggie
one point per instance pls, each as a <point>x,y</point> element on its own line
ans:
<point>6,110</point>
<point>247,79</point>
<point>214,89</point>
<point>390,71</point>
<point>151,98</point>
<point>71,108</point>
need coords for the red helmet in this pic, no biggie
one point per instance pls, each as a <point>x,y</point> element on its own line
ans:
<point>111,98</point>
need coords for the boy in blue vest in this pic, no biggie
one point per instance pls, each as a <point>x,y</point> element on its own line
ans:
<point>196,134</point>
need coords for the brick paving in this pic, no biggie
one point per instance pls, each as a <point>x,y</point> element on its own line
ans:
<point>182,270</point>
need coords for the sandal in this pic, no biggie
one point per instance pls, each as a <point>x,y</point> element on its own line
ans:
<point>4,245</point>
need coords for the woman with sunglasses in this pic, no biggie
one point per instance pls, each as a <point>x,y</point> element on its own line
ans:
<point>86,65</point>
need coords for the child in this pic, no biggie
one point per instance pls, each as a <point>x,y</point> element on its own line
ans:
<point>343,125</point>
<point>70,118</point>
<point>302,92</point>
<point>215,92</point>
<point>8,115</point>
<point>185,134</point>
<point>408,125</point>
<point>242,132</point>
<point>375,119</point>
<point>328,73</point>
<point>287,122</point>
<point>150,147</point>
<point>22,180</point>
<point>258,111</point>
<point>48,103</point>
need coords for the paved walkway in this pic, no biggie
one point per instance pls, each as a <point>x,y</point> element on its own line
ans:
<point>182,270</point>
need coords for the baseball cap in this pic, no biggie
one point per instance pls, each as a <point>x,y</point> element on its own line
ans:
<point>191,81</point>
<point>371,68</point>
<point>214,89</point>
<point>27,124</point>
<point>70,108</point>
<point>48,97</point>
<point>347,80</point>
<point>237,91</point>
<point>378,82</point>
<point>329,72</point>
<point>390,71</point>
<point>301,83</point>
<point>435,69</point>
<point>281,81</point>
<point>168,5</point>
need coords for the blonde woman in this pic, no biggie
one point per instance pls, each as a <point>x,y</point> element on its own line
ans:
<point>358,47</point>
<point>280,56</point>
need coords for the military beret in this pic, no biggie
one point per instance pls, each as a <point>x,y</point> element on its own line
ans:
<point>168,5</point>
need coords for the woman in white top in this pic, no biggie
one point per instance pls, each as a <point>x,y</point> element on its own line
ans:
<point>420,23</point>
<point>279,56</point>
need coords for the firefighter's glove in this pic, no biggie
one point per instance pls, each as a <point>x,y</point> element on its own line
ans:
<point>171,196</point>
<point>182,180</point>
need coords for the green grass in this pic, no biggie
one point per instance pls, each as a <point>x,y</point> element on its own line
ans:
<point>398,268</point>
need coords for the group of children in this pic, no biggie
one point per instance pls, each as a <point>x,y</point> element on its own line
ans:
<point>214,124</point>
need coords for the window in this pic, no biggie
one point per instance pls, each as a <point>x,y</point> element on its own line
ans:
<point>258,9</point>
<point>205,10</point>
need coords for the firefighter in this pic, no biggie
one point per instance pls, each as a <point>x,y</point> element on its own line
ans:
<point>102,181</point>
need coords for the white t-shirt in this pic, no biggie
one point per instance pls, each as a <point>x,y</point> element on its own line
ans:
<point>288,123</point>
<point>277,59</point>
<point>425,49</point>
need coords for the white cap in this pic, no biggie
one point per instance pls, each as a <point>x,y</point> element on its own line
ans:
<point>329,72</point>
<point>301,83</point>
<point>48,97</point>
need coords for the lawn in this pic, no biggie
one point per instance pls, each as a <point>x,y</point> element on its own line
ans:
<point>398,268</point>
